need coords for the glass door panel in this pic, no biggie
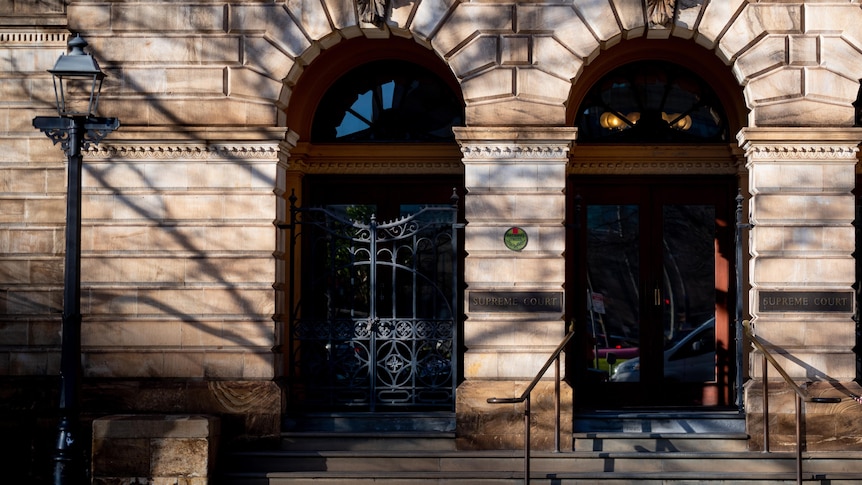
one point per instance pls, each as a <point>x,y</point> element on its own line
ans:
<point>652,281</point>
<point>613,274</point>
<point>688,294</point>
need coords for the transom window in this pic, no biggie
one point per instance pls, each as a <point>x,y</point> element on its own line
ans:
<point>388,101</point>
<point>651,101</point>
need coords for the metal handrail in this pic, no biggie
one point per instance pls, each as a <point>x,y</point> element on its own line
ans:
<point>801,397</point>
<point>525,398</point>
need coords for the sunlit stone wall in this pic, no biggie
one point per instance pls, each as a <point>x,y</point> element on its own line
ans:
<point>181,258</point>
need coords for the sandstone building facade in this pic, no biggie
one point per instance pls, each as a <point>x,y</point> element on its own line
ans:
<point>615,134</point>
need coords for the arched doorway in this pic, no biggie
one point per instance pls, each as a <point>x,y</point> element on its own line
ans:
<point>650,211</point>
<point>373,314</point>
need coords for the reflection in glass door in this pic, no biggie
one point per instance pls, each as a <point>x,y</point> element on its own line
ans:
<point>654,280</point>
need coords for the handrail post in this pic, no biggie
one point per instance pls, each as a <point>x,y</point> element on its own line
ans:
<point>557,405</point>
<point>765,373</point>
<point>527,440</point>
<point>526,399</point>
<point>801,397</point>
<point>798,439</point>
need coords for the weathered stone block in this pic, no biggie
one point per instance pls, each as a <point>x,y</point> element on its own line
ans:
<point>774,240</point>
<point>555,58</point>
<point>511,333</point>
<point>596,16</point>
<point>827,84</point>
<point>168,17</point>
<point>756,19</point>
<point>266,57</point>
<point>248,83</point>
<point>537,84</point>
<point>514,112</point>
<point>770,54</point>
<point>36,241</point>
<point>789,176</point>
<point>716,16</point>
<point>826,427</point>
<point>830,18</point>
<point>787,272</point>
<point>803,112</point>
<point>428,16</point>
<point>490,238</point>
<point>563,22</point>
<point>489,84</point>
<point>34,363</point>
<point>469,18</point>
<point>275,21</point>
<point>481,425</point>
<point>479,54</point>
<point>790,208</point>
<point>131,334</point>
<point>170,449</point>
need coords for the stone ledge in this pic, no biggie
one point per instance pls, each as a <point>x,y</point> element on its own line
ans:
<point>156,426</point>
<point>157,447</point>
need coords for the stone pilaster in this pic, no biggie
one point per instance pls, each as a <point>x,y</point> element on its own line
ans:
<point>515,178</point>
<point>802,268</point>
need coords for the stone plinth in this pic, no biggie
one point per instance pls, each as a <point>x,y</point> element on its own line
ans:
<point>154,448</point>
<point>485,426</point>
<point>825,426</point>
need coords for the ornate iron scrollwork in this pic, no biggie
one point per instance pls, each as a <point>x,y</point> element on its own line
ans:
<point>376,324</point>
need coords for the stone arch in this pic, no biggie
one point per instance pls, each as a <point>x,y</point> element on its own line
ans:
<point>715,73</point>
<point>799,64</point>
<point>330,65</point>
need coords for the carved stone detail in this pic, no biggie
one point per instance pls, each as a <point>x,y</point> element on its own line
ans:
<point>517,152</point>
<point>629,167</point>
<point>177,152</point>
<point>660,11</point>
<point>801,152</point>
<point>34,38</point>
<point>376,166</point>
<point>372,11</point>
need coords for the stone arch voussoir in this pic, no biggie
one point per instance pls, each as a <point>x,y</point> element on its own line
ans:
<point>510,56</point>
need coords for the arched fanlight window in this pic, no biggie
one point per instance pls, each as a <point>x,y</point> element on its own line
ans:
<point>651,102</point>
<point>388,101</point>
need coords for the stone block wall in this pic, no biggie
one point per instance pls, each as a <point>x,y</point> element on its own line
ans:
<point>825,426</point>
<point>486,426</point>
<point>802,240</point>
<point>183,267</point>
<point>154,449</point>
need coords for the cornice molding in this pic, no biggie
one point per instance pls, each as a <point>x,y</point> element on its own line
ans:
<point>808,152</point>
<point>630,167</point>
<point>631,159</point>
<point>50,39</point>
<point>226,151</point>
<point>513,151</point>
<point>372,167</point>
<point>373,159</point>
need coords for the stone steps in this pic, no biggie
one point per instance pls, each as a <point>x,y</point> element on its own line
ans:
<point>607,449</point>
<point>506,467</point>
<point>660,442</point>
<point>721,431</point>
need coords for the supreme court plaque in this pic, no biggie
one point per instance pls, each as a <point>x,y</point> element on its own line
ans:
<point>515,301</point>
<point>805,301</point>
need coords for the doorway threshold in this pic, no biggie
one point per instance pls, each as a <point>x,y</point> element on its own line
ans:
<point>660,420</point>
<point>371,422</point>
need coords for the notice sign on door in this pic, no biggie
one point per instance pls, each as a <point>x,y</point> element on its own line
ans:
<point>805,301</point>
<point>516,301</point>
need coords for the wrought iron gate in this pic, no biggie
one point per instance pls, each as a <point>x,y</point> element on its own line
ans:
<point>376,321</point>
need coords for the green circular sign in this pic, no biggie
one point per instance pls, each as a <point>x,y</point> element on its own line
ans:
<point>515,238</point>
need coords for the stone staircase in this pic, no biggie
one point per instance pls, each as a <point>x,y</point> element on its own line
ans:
<point>611,449</point>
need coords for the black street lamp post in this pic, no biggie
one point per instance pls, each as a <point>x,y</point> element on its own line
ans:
<point>76,128</point>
